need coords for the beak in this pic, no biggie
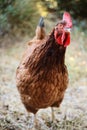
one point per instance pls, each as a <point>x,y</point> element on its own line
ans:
<point>67,30</point>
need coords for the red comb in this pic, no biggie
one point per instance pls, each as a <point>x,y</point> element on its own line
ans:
<point>68,19</point>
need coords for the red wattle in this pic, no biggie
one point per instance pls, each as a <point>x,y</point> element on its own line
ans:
<point>63,39</point>
<point>59,40</point>
<point>67,41</point>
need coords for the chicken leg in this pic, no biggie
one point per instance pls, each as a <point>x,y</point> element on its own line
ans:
<point>35,120</point>
<point>34,123</point>
<point>53,116</point>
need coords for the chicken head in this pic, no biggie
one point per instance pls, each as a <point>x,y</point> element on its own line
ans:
<point>62,30</point>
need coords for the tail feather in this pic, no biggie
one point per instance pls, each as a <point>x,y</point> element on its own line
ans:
<point>41,22</point>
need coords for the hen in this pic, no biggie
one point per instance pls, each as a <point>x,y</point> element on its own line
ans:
<point>42,77</point>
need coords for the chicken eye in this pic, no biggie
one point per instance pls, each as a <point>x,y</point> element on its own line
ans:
<point>56,28</point>
<point>60,25</point>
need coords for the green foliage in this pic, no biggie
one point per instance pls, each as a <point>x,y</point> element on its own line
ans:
<point>15,14</point>
<point>4,4</point>
<point>76,7</point>
<point>23,15</point>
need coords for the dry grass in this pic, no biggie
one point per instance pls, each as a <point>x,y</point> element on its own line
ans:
<point>12,113</point>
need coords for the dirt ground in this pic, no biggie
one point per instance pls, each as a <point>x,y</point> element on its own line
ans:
<point>72,114</point>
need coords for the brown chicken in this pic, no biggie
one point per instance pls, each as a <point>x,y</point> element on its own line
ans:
<point>42,77</point>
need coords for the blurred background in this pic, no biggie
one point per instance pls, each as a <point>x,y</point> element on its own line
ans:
<point>18,21</point>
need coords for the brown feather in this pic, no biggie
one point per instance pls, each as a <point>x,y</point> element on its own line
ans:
<point>42,77</point>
